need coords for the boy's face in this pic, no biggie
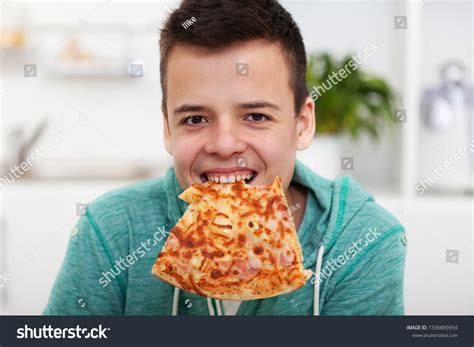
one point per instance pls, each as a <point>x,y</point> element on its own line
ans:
<point>225,120</point>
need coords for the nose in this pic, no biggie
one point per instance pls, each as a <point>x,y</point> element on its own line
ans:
<point>225,141</point>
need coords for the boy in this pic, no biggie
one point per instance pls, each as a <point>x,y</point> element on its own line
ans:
<point>235,106</point>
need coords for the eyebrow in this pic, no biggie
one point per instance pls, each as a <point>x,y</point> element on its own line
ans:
<point>258,104</point>
<point>188,108</point>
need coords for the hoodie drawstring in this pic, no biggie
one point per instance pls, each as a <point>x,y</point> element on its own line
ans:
<point>219,309</point>
<point>317,282</point>
<point>210,307</point>
<point>175,301</point>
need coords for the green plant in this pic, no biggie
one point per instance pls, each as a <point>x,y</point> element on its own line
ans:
<point>357,103</point>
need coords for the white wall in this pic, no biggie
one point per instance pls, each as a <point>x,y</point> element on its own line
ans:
<point>124,118</point>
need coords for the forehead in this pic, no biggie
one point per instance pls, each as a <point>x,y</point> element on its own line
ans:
<point>238,71</point>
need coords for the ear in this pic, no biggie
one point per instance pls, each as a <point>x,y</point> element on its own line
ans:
<point>306,125</point>
<point>166,131</point>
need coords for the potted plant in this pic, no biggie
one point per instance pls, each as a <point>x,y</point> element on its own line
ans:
<point>358,105</point>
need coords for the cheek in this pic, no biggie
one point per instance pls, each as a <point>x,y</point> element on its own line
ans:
<point>185,150</point>
<point>278,151</point>
<point>275,145</point>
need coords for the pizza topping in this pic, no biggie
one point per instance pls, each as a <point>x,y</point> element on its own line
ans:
<point>228,243</point>
<point>258,250</point>
<point>247,213</point>
<point>242,270</point>
<point>206,254</point>
<point>196,261</point>
<point>241,239</point>
<point>281,229</point>
<point>216,274</point>
<point>224,216</point>
<point>222,232</point>
<point>269,208</point>
<point>218,254</point>
<point>225,226</point>
<point>173,241</point>
<point>255,263</point>
<point>183,267</point>
<point>188,243</point>
<point>271,224</point>
<point>205,264</point>
<point>224,266</point>
<point>249,274</point>
<point>287,257</point>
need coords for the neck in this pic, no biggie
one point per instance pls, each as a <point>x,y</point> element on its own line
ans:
<point>296,196</point>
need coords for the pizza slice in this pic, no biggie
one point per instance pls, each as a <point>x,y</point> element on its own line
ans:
<point>234,242</point>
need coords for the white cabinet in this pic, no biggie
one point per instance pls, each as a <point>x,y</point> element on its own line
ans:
<point>439,271</point>
<point>38,217</point>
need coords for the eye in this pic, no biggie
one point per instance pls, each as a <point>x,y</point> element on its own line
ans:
<point>193,120</point>
<point>257,117</point>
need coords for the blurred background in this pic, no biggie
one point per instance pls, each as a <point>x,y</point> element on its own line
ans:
<point>80,115</point>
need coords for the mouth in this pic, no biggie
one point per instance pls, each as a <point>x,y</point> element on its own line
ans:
<point>248,176</point>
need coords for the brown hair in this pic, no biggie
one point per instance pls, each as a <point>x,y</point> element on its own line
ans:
<point>220,23</point>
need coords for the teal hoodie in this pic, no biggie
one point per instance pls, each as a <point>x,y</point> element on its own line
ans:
<point>107,267</point>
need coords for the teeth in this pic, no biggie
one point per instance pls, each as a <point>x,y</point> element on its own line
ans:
<point>230,179</point>
<point>248,177</point>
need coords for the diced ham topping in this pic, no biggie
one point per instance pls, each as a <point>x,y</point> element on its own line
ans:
<point>224,265</point>
<point>242,270</point>
<point>287,258</point>
<point>255,263</point>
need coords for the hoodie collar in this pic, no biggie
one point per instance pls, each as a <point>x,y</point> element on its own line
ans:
<point>311,233</point>
<point>176,206</point>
